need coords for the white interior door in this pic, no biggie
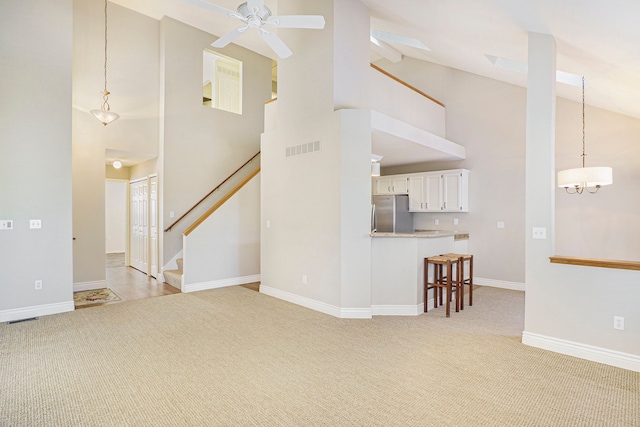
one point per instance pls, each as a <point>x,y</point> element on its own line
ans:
<point>139,230</point>
<point>153,225</point>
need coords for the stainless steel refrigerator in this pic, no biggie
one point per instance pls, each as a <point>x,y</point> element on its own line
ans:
<point>390,214</point>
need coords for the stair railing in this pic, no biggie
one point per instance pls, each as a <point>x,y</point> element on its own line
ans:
<point>210,193</point>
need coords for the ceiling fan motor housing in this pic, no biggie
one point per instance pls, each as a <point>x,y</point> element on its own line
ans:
<point>256,17</point>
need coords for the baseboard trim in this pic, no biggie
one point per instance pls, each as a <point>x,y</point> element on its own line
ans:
<point>222,283</point>
<point>35,311</point>
<point>397,310</point>
<point>88,286</point>
<point>331,310</point>
<point>514,286</point>
<point>583,351</point>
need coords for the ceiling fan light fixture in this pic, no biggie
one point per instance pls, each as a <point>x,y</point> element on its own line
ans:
<point>254,14</point>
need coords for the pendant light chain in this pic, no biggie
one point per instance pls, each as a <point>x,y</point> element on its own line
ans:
<point>105,46</point>
<point>105,115</point>
<point>583,144</point>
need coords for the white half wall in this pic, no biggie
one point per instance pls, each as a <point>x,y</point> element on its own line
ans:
<point>225,249</point>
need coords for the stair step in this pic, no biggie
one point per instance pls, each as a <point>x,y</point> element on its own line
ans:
<point>173,277</point>
<point>180,261</point>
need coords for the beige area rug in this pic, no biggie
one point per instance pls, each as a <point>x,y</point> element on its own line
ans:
<point>94,296</point>
<point>235,357</point>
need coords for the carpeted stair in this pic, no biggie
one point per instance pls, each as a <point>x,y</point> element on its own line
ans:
<point>174,277</point>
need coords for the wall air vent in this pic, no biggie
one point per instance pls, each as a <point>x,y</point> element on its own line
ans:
<point>307,148</point>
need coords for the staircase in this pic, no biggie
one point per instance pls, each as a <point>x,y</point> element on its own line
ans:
<point>174,277</point>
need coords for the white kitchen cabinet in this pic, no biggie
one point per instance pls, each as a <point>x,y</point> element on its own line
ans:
<point>455,191</point>
<point>392,184</point>
<point>416,194</point>
<point>439,191</point>
<point>424,192</point>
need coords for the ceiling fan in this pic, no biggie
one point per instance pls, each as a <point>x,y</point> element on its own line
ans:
<point>254,14</point>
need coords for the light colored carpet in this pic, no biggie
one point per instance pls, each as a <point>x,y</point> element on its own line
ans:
<point>234,357</point>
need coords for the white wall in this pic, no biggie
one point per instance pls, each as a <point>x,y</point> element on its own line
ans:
<point>487,117</point>
<point>568,309</point>
<point>602,225</point>
<point>565,304</point>
<point>115,216</point>
<point>318,204</point>
<point>225,249</point>
<point>201,146</point>
<point>35,157</point>
<point>133,80</point>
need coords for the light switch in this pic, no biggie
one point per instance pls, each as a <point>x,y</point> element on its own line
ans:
<point>455,221</point>
<point>539,233</point>
<point>436,221</point>
<point>500,224</point>
<point>6,224</point>
<point>268,224</point>
<point>172,214</point>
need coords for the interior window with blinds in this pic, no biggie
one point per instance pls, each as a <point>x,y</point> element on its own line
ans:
<point>221,82</point>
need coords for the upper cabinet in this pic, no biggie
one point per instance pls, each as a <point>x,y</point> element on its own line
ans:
<point>425,192</point>
<point>455,191</point>
<point>438,191</point>
<point>392,184</point>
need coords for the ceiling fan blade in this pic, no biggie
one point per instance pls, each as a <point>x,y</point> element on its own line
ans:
<point>297,21</point>
<point>397,38</point>
<point>229,37</point>
<point>208,5</point>
<point>255,5</point>
<point>276,44</point>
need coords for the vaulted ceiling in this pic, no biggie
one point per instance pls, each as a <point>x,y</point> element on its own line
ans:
<point>595,38</point>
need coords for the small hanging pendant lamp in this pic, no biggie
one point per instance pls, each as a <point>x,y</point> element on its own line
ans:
<point>104,114</point>
<point>575,181</point>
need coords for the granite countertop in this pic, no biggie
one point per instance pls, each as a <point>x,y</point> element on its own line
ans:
<point>429,234</point>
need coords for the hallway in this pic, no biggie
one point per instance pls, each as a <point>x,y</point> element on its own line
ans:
<point>130,284</point>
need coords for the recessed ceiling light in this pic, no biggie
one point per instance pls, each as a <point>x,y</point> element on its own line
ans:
<point>117,164</point>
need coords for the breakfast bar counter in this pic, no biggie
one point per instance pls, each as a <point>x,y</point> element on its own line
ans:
<point>397,264</point>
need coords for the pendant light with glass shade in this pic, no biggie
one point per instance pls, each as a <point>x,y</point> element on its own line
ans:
<point>104,114</point>
<point>575,181</point>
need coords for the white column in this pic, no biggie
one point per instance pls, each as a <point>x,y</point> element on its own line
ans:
<point>540,156</point>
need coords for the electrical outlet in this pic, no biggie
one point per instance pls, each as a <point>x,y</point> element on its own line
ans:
<point>6,224</point>
<point>500,224</point>
<point>38,284</point>
<point>618,323</point>
<point>35,223</point>
<point>455,221</point>
<point>436,221</point>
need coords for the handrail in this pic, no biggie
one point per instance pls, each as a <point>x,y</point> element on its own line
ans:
<point>593,262</point>
<point>375,67</point>
<point>215,207</point>
<point>210,193</point>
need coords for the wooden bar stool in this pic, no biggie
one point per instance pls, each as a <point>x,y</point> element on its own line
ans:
<point>462,258</point>
<point>440,281</point>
